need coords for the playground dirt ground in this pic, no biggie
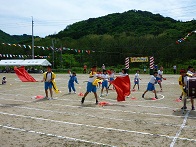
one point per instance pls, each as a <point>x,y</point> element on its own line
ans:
<point>29,122</point>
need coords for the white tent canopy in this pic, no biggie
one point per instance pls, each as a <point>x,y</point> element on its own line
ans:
<point>27,62</point>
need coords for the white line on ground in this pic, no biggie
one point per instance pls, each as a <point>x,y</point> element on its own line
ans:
<point>113,110</point>
<point>142,99</point>
<point>114,102</point>
<point>94,116</point>
<point>179,131</point>
<point>134,112</point>
<point>54,135</point>
<point>98,127</point>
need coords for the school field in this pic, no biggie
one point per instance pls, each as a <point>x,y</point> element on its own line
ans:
<point>137,122</point>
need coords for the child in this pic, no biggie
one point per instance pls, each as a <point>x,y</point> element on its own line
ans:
<point>99,75</point>
<point>90,87</point>
<point>181,82</point>
<point>160,77</point>
<point>48,78</point>
<point>72,79</point>
<point>111,77</point>
<point>124,72</point>
<point>136,79</point>
<point>151,86</point>
<point>4,80</point>
<point>189,75</point>
<point>105,78</point>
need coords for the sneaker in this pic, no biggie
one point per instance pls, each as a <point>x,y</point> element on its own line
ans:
<point>45,97</point>
<point>96,102</point>
<point>50,98</point>
<point>156,97</point>
<point>106,94</point>
<point>82,101</point>
<point>193,108</point>
<point>184,107</point>
<point>101,95</point>
<point>142,95</point>
<point>74,92</point>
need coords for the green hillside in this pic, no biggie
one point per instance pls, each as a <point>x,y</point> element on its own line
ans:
<point>6,38</point>
<point>134,23</point>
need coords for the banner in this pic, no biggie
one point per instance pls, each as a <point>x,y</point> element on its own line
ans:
<point>139,59</point>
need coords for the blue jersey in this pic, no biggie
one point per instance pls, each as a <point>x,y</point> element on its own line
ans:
<point>73,79</point>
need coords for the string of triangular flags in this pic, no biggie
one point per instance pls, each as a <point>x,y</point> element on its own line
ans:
<point>22,56</point>
<point>183,39</point>
<point>51,48</point>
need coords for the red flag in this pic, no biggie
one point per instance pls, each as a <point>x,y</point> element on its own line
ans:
<point>23,75</point>
<point>109,72</point>
<point>122,86</point>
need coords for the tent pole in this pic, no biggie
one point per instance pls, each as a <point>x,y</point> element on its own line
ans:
<point>32,40</point>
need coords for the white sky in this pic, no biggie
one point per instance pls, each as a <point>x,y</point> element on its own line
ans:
<point>52,16</point>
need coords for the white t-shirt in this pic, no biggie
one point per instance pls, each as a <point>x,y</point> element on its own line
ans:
<point>48,76</point>
<point>160,74</point>
<point>105,77</point>
<point>190,73</point>
<point>137,76</point>
<point>112,75</point>
<point>123,75</point>
<point>186,78</point>
<point>91,79</point>
<point>153,79</point>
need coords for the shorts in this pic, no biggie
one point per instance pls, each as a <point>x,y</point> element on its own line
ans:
<point>150,87</point>
<point>105,84</point>
<point>136,81</point>
<point>111,79</point>
<point>48,85</point>
<point>159,79</point>
<point>91,87</point>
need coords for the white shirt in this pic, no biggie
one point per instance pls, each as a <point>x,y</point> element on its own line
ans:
<point>186,78</point>
<point>103,67</point>
<point>105,77</point>
<point>137,76</point>
<point>190,73</point>
<point>153,79</point>
<point>48,76</point>
<point>91,79</point>
<point>160,74</point>
<point>112,75</point>
<point>123,75</point>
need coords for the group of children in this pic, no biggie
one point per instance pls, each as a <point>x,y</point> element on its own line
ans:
<point>106,77</point>
<point>100,77</point>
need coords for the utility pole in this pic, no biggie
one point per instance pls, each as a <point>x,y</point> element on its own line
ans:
<point>61,56</point>
<point>32,40</point>
<point>53,54</point>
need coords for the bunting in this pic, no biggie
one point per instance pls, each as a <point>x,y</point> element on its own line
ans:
<point>51,48</point>
<point>183,39</point>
